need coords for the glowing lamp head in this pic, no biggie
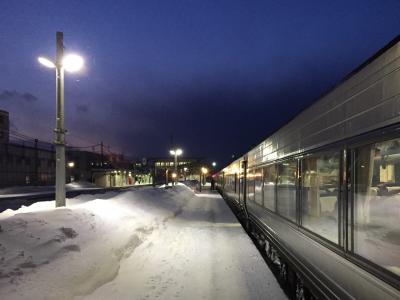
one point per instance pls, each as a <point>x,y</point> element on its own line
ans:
<point>46,62</point>
<point>214,164</point>
<point>174,175</point>
<point>71,164</point>
<point>72,63</point>
<point>176,152</point>
<point>204,170</point>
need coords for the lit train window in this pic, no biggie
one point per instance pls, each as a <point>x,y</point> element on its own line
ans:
<point>377,204</point>
<point>320,194</point>
<point>286,189</point>
<point>269,187</point>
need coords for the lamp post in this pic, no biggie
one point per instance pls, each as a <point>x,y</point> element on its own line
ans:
<point>176,153</point>
<point>203,173</point>
<point>70,63</point>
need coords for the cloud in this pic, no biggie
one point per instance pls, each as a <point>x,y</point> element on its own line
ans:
<point>6,95</point>
<point>82,108</point>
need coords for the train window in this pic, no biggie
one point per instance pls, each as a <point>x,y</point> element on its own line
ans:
<point>320,194</point>
<point>258,198</point>
<point>286,189</point>
<point>250,185</point>
<point>377,204</point>
<point>269,187</point>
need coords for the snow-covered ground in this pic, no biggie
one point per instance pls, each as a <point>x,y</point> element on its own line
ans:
<point>148,243</point>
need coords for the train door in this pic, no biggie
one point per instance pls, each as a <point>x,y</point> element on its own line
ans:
<point>242,187</point>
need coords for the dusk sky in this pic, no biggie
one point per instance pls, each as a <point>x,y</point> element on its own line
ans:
<point>219,76</point>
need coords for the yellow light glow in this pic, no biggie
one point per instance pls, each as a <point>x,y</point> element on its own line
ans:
<point>46,62</point>
<point>71,164</point>
<point>72,63</point>
<point>204,170</point>
<point>173,175</point>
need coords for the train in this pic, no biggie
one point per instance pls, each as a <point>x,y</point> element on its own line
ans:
<point>321,195</point>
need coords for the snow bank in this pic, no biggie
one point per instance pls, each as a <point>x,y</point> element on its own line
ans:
<point>142,242</point>
<point>20,190</point>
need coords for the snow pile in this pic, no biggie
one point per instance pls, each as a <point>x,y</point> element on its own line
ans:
<point>140,244</point>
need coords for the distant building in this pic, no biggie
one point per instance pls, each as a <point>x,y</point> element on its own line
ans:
<point>4,126</point>
<point>162,168</point>
<point>31,162</point>
<point>25,164</point>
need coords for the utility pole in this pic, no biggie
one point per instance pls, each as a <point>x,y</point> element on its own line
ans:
<point>176,166</point>
<point>60,130</point>
<point>102,153</point>
<point>200,179</point>
<point>71,63</point>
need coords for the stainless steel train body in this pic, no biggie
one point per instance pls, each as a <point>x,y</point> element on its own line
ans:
<point>324,190</point>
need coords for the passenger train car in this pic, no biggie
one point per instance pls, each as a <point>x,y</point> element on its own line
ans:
<point>322,194</point>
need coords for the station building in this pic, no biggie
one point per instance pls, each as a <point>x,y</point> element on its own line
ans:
<point>162,168</point>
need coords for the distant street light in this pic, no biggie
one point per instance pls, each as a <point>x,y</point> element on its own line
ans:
<point>71,164</point>
<point>214,164</point>
<point>70,63</point>
<point>204,171</point>
<point>176,153</point>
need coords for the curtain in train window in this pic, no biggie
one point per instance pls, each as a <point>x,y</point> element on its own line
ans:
<point>320,194</point>
<point>258,187</point>
<point>377,204</point>
<point>286,189</point>
<point>269,187</point>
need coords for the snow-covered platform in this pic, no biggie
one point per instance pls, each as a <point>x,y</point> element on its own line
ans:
<point>150,243</point>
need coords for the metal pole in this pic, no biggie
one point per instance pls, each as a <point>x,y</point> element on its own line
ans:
<point>200,181</point>
<point>60,131</point>
<point>102,153</point>
<point>176,166</point>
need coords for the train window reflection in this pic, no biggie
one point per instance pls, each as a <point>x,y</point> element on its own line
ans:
<point>258,187</point>
<point>269,187</point>
<point>320,192</point>
<point>377,204</point>
<point>286,189</point>
<point>250,185</point>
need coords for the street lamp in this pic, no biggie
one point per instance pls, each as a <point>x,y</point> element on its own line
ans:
<point>214,164</point>
<point>204,171</point>
<point>70,63</point>
<point>176,153</point>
